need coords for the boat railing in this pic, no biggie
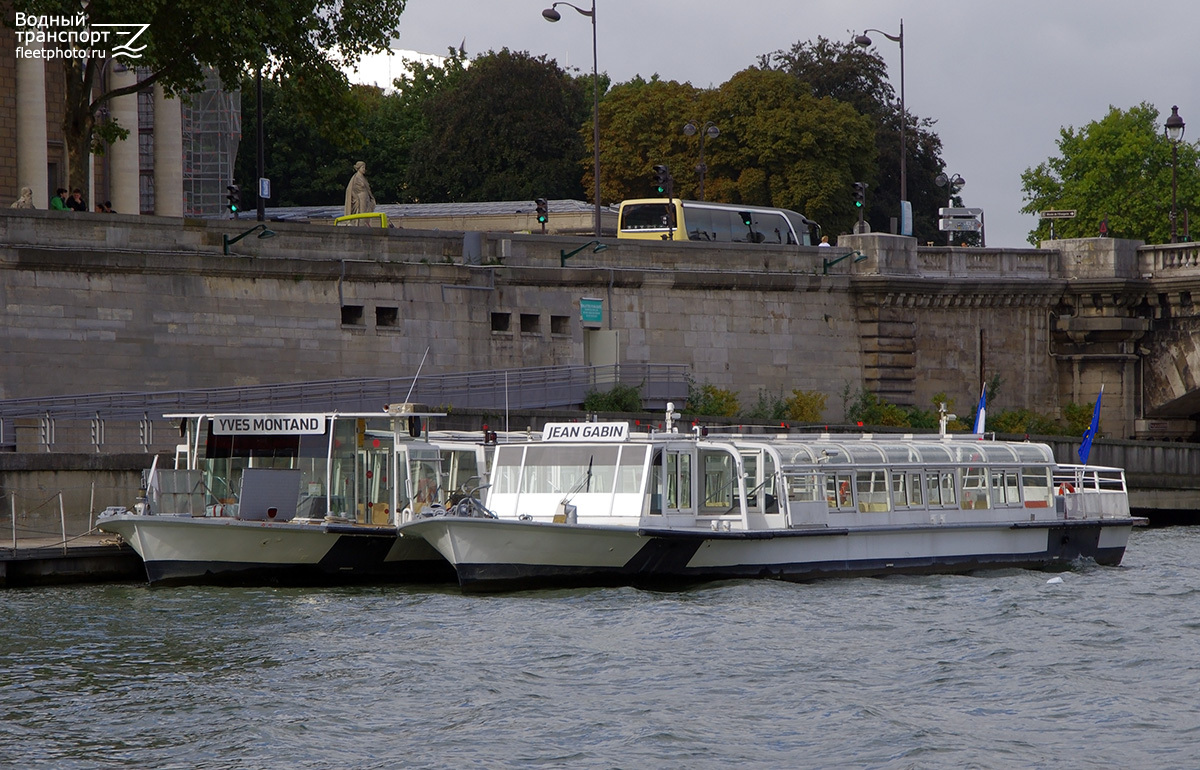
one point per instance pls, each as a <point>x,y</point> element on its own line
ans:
<point>1075,479</point>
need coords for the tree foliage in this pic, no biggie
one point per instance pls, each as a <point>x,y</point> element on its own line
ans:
<point>1117,169</point>
<point>778,145</point>
<point>507,129</point>
<point>859,77</point>
<point>304,40</point>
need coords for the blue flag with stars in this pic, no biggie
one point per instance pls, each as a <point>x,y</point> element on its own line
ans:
<point>1085,448</point>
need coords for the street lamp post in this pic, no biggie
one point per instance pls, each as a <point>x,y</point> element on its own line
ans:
<point>550,14</point>
<point>864,42</point>
<point>1174,130</point>
<point>709,129</point>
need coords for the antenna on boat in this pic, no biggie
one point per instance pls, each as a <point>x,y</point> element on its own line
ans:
<point>944,418</point>
<point>411,388</point>
<point>672,416</point>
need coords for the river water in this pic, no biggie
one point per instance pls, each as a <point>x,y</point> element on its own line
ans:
<point>1002,669</point>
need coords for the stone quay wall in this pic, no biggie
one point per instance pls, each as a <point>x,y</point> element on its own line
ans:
<point>104,303</point>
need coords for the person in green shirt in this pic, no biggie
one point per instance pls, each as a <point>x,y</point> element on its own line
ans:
<point>59,201</point>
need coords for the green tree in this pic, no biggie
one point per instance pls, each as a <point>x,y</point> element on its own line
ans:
<point>641,126</point>
<point>788,148</point>
<point>858,77</point>
<point>301,39</point>
<point>507,129</point>
<point>1116,169</point>
<point>309,160</point>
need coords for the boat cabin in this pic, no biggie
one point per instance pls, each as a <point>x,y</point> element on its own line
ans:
<point>598,473</point>
<point>375,468</point>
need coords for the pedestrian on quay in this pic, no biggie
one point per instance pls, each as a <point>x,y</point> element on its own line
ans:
<point>76,202</point>
<point>59,201</point>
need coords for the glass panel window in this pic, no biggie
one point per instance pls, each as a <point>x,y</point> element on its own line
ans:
<point>914,489</point>
<point>974,488</point>
<point>947,488</point>
<point>1036,487</point>
<point>871,491</point>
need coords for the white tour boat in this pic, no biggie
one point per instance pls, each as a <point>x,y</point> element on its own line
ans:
<point>298,498</point>
<point>593,504</point>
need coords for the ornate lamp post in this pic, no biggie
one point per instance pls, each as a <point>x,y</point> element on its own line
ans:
<point>865,42</point>
<point>710,129</point>
<point>1174,130</point>
<point>550,14</point>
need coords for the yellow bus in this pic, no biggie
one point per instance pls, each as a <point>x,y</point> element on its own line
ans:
<point>673,219</point>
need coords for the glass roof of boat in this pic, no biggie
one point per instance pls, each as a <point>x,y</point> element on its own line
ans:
<point>889,451</point>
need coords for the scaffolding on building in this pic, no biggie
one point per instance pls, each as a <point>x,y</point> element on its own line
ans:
<point>212,129</point>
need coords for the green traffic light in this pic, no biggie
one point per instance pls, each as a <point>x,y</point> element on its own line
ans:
<point>858,204</point>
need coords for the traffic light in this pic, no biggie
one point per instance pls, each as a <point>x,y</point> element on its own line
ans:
<point>543,211</point>
<point>860,194</point>
<point>233,198</point>
<point>663,182</point>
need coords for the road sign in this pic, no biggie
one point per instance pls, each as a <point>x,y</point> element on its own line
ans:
<point>945,212</point>
<point>264,187</point>
<point>961,224</point>
<point>1059,214</point>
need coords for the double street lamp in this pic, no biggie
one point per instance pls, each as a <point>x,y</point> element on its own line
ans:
<point>710,130</point>
<point>550,14</point>
<point>865,42</point>
<point>1174,130</point>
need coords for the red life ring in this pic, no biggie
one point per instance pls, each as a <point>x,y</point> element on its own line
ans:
<point>1066,488</point>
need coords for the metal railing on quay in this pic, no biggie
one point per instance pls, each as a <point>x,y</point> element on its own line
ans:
<point>134,420</point>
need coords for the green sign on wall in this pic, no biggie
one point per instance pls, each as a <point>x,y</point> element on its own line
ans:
<point>591,312</point>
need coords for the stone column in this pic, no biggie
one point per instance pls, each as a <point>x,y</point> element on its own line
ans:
<point>32,160</point>
<point>168,155</point>
<point>123,184</point>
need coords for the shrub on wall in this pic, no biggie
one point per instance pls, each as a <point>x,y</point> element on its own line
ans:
<point>709,400</point>
<point>622,398</point>
<point>805,406</point>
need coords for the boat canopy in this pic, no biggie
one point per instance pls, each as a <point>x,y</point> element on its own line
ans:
<point>883,451</point>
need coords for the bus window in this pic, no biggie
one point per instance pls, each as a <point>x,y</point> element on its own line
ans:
<point>699,223</point>
<point>646,216</point>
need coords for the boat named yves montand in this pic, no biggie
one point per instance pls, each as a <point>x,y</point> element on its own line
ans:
<point>299,498</point>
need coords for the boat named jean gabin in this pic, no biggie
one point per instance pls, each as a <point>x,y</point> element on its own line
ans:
<point>299,498</point>
<point>594,504</point>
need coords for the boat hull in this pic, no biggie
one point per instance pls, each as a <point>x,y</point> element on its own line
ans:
<point>187,550</point>
<point>505,555</point>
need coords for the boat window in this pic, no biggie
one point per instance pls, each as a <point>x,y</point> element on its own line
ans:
<point>947,487</point>
<point>900,489</point>
<point>656,484</point>
<point>1035,484</point>
<point>562,469</point>
<point>804,488</point>
<point>1005,487</point>
<point>719,481</point>
<point>914,489</point>
<point>838,492</point>
<point>872,492</point>
<point>506,469</point>
<point>1012,486</point>
<point>974,488</point>
<point>631,469</point>
<point>678,481</point>
<point>934,490</point>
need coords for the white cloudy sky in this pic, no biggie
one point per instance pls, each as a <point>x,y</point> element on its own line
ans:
<point>1001,78</point>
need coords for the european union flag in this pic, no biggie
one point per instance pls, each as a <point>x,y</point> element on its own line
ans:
<point>1085,448</point>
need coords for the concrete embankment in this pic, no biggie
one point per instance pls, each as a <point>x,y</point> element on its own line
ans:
<point>84,559</point>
